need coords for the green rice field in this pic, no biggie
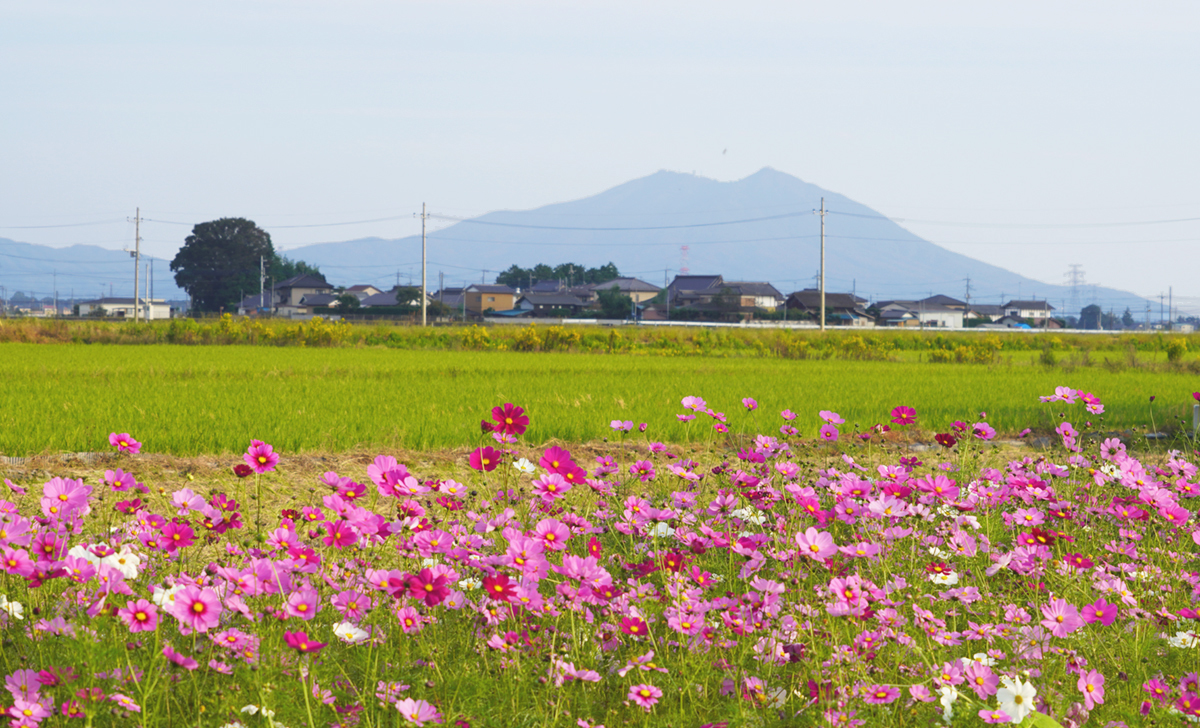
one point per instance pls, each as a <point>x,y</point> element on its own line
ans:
<point>188,400</point>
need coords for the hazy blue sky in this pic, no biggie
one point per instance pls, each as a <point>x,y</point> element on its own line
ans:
<point>1008,116</point>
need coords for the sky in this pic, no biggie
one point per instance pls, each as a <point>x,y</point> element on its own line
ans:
<point>1031,135</point>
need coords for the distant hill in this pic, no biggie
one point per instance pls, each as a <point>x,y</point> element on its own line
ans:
<point>85,270</point>
<point>640,226</point>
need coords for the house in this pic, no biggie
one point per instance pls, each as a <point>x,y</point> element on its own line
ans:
<point>765,295</point>
<point>545,303</point>
<point>412,296</point>
<point>152,309</point>
<point>451,298</point>
<point>255,305</point>
<point>845,307</point>
<point>480,297</point>
<point>1035,310</point>
<point>692,290</point>
<point>925,312</point>
<point>362,292</point>
<point>640,291</point>
<point>287,295</point>
<point>984,311</point>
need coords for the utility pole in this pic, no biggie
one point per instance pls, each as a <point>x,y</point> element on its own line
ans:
<point>55,294</point>
<point>1161,314</point>
<point>441,287</point>
<point>1170,308</point>
<point>424,294</point>
<point>968,293</point>
<point>667,289</point>
<point>146,287</point>
<point>822,264</point>
<point>137,259</point>
<point>262,282</point>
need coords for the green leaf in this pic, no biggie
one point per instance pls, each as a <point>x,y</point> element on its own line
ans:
<point>1040,720</point>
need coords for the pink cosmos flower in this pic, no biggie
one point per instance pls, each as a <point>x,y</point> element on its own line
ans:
<point>643,469</point>
<point>303,603</point>
<point>196,608</point>
<point>418,712</point>
<point>1099,611</point>
<point>1061,617</point>
<point>261,457</point>
<point>1061,394</point>
<point>621,425</point>
<point>983,431</point>
<point>182,660</point>
<point>1091,685</point>
<point>553,534</point>
<point>29,711</point>
<point>551,487</point>
<point>124,443</point>
<point>353,604</point>
<point>485,459</point>
<point>139,616</point>
<point>695,404</point>
<point>829,433</point>
<point>832,418</point>
<point>644,695</point>
<point>301,642</point>
<point>510,419</point>
<point>816,544</point>
<point>339,534</point>
<point>880,694</point>
<point>994,716</point>
<point>749,404</point>
<point>426,587</point>
<point>555,458</point>
<point>904,415</point>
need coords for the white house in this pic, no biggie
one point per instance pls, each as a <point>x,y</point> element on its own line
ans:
<point>152,309</point>
<point>1036,310</point>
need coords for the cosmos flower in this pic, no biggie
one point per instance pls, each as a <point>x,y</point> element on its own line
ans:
<point>904,415</point>
<point>644,695</point>
<point>261,457</point>
<point>124,443</point>
<point>510,419</point>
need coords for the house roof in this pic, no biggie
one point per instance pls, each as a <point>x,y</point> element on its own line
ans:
<point>318,299</point>
<point>988,310</point>
<point>256,301</point>
<point>304,280</point>
<point>1030,305</point>
<point>118,301</point>
<point>696,283</point>
<point>810,298</point>
<point>625,285</point>
<point>941,300</point>
<point>755,288</point>
<point>360,287</point>
<point>489,288</point>
<point>387,298</point>
<point>550,299</point>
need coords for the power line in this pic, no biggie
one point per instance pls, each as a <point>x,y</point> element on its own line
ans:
<point>1015,224</point>
<point>64,225</point>
<point>657,227</point>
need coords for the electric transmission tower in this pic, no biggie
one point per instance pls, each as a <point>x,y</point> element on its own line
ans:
<point>1075,279</point>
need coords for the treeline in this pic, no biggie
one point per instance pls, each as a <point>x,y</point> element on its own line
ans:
<point>570,274</point>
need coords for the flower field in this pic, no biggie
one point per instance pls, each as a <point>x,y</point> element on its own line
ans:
<point>811,575</point>
<point>207,399</point>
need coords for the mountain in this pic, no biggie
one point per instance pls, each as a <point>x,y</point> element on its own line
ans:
<point>85,271</point>
<point>640,226</point>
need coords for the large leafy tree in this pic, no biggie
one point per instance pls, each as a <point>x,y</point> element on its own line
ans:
<point>220,260</point>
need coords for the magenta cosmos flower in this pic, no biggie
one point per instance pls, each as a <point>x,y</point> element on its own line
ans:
<point>510,419</point>
<point>301,642</point>
<point>124,443</point>
<point>197,608</point>
<point>261,457</point>
<point>749,403</point>
<point>1061,617</point>
<point>904,415</point>
<point>832,418</point>
<point>829,433</point>
<point>139,616</point>
<point>485,459</point>
<point>644,695</point>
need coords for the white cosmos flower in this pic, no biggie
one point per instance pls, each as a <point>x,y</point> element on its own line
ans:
<point>349,633</point>
<point>13,609</point>
<point>165,598</point>
<point>947,579</point>
<point>81,552</point>
<point>1184,639</point>
<point>524,466</point>
<point>949,695</point>
<point>1016,698</point>
<point>470,583</point>
<point>662,530</point>
<point>124,561</point>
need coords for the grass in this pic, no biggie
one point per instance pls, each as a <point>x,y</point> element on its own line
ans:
<point>189,400</point>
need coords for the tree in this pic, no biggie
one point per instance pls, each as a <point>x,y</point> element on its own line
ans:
<point>1127,319</point>
<point>220,259</point>
<point>614,304</point>
<point>348,302</point>
<point>281,267</point>
<point>1089,317</point>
